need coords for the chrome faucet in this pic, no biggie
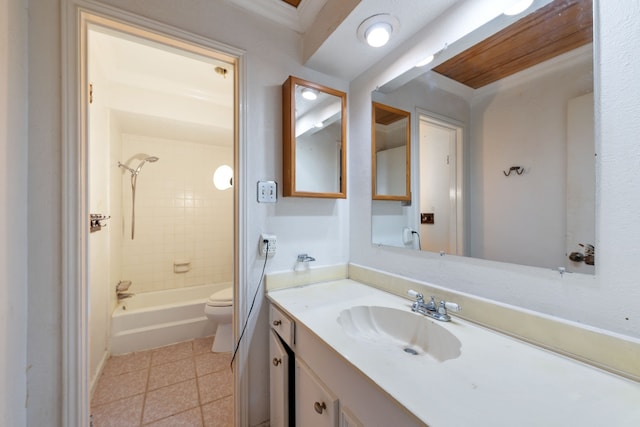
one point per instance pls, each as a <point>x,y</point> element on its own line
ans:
<point>430,309</point>
<point>305,258</point>
<point>419,306</point>
<point>121,289</point>
<point>124,295</point>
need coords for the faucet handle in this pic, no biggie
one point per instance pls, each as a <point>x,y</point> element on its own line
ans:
<point>415,294</point>
<point>446,305</point>
<point>123,285</point>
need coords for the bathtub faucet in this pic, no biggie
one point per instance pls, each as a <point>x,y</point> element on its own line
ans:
<point>124,295</point>
<point>123,285</point>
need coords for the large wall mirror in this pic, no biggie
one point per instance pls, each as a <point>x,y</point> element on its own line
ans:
<point>503,144</point>
<point>391,153</point>
<point>314,140</point>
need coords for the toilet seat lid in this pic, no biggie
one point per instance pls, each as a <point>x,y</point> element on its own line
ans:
<point>221,298</point>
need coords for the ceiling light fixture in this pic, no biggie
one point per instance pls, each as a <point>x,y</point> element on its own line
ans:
<point>378,34</point>
<point>518,7</point>
<point>309,94</point>
<point>378,29</point>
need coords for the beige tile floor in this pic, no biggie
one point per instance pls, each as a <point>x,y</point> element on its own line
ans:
<point>183,384</point>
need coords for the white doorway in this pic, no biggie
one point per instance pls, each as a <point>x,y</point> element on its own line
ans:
<point>440,185</point>
<point>91,165</point>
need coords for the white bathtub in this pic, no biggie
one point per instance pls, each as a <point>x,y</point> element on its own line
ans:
<point>153,319</point>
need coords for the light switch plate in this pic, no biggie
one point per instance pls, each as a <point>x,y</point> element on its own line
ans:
<point>267,191</point>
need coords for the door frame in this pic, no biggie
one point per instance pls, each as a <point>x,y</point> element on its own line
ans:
<point>458,187</point>
<point>76,15</point>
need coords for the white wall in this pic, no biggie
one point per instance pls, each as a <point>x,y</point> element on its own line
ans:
<point>318,160</point>
<point>318,227</point>
<point>44,379</point>
<point>521,218</point>
<point>116,223</point>
<point>574,297</point>
<point>13,211</point>
<point>391,171</point>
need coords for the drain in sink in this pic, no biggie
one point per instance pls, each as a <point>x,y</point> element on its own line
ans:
<point>410,351</point>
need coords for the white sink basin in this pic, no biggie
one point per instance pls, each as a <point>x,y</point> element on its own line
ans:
<point>392,328</point>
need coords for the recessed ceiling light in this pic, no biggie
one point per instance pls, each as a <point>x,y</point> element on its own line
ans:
<point>378,34</point>
<point>518,7</point>
<point>378,29</point>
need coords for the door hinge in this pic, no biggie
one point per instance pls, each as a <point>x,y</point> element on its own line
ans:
<point>90,93</point>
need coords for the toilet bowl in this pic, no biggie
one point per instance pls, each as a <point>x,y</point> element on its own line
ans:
<point>219,308</point>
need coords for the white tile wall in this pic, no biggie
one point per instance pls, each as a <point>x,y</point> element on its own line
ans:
<point>180,215</point>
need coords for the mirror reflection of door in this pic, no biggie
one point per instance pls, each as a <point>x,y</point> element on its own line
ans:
<point>581,190</point>
<point>441,225</point>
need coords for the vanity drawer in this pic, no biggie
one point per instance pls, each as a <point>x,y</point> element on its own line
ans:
<point>283,325</point>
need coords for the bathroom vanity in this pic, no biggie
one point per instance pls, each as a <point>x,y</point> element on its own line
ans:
<point>359,357</point>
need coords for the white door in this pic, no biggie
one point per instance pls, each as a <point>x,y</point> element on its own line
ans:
<point>440,153</point>
<point>580,180</point>
<point>316,406</point>
<point>279,381</point>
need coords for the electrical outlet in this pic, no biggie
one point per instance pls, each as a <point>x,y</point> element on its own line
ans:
<point>271,239</point>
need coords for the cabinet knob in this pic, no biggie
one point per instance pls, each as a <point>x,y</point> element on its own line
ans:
<point>319,407</point>
<point>277,322</point>
<point>276,361</point>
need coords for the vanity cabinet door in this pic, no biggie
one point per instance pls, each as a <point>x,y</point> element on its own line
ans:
<point>279,381</point>
<point>316,406</point>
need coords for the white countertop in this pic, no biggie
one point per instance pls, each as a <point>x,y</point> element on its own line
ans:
<point>496,381</point>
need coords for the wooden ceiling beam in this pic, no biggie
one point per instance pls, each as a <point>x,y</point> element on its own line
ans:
<point>557,28</point>
<point>294,3</point>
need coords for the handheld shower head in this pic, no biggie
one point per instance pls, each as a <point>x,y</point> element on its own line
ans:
<point>134,180</point>
<point>150,159</point>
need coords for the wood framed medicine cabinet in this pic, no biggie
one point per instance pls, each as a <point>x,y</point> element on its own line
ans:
<point>314,128</point>
<point>391,153</point>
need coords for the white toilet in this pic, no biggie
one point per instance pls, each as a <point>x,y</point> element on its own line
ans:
<point>219,308</point>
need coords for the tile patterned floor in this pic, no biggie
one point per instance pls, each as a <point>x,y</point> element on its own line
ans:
<point>183,384</point>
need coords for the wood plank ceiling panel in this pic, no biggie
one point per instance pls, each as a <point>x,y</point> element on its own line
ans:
<point>559,27</point>
<point>386,117</point>
<point>293,3</point>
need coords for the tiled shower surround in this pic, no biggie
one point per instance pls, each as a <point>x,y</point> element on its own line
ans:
<point>180,215</point>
